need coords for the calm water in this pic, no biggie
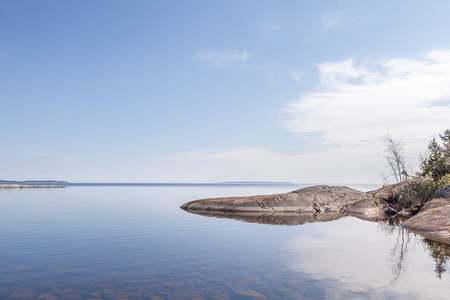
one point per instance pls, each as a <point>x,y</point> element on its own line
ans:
<point>133,242</point>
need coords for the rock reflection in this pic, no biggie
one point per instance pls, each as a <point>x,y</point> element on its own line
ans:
<point>275,218</point>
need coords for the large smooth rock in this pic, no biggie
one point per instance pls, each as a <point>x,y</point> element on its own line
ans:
<point>433,220</point>
<point>321,198</point>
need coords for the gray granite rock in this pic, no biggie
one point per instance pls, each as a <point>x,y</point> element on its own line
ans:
<point>321,198</point>
<point>366,206</point>
<point>432,221</point>
<point>443,193</point>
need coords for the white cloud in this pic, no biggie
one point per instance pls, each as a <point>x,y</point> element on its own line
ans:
<point>222,58</point>
<point>262,164</point>
<point>344,120</point>
<point>357,104</point>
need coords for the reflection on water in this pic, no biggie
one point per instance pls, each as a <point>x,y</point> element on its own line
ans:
<point>402,239</point>
<point>135,243</point>
<point>440,253</point>
<point>391,228</point>
<point>275,218</point>
<point>356,261</point>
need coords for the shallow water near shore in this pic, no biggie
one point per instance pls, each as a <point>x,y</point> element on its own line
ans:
<point>134,242</point>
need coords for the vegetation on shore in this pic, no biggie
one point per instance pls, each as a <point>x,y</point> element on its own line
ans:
<point>413,192</point>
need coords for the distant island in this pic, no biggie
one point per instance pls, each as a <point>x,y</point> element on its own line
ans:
<point>33,181</point>
<point>256,182</point>
<point>27,184</point>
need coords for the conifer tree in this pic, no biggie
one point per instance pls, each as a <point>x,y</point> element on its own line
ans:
<point>436,161</point>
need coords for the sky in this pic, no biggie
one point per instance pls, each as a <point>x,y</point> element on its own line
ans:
<point>213,91</point>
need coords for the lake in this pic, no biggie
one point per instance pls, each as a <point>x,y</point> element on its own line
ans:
<point>106,241</point>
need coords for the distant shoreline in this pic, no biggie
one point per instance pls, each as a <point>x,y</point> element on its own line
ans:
<point>27,186</point>
<point>30,181</point>
<point>256,182</point>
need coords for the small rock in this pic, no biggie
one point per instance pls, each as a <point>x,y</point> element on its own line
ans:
<point>47,296</point>
<point>389,211</point>
<point>297,282</point>
<point>106,291</point>
<point>221,297</point>
<point>55,290</point>
<point>117,295</point>
<point>72,297</point>
<point>68,291</point>
<point>96,295</point>
<point>22,294</point>
<point>251,278</point>
<point>174,285</point>
<point>250,294</point>
<point>186,295</point>
<point>271,276</point>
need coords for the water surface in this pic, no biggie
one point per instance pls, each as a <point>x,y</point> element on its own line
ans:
<point>133,242</point>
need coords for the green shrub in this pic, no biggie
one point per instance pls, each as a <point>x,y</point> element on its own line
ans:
<point>418,191</point>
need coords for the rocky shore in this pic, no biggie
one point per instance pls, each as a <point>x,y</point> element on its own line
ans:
<point>314,199</point>
<point>26,186</point>
<point>430,218</point>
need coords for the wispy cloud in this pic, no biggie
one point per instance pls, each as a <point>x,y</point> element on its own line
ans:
<point>330,20</point>
<point>345,118</point>
<point>272,24</point>
<point>356,104</point>
<point>298,76</point>
<point>261,163</point>
<point>67,158</point>
<point>222,58</point>
<point>335,19</point>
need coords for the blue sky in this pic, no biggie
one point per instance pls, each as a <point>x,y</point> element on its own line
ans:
<point>208,91</point>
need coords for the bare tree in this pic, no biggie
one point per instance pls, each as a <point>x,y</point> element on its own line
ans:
<point>395,158</point>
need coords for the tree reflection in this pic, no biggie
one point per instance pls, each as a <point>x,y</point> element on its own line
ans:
<point>440,253</point>
<point>391,227</point>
